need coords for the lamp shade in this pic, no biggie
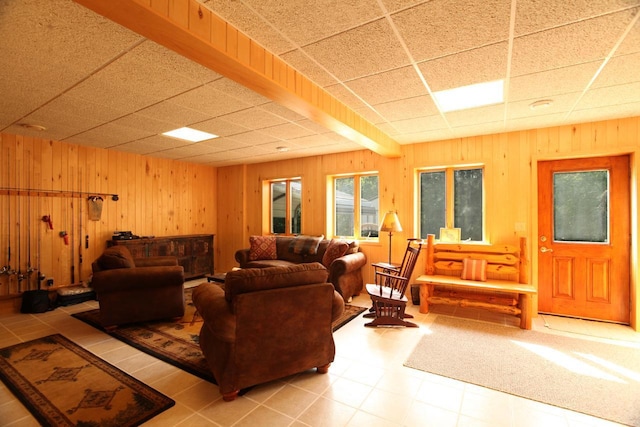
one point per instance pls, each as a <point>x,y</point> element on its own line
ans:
<point>391,222</point>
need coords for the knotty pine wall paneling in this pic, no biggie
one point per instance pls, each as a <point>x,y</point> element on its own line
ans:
<point>510,161</point>
<point>156,197</point>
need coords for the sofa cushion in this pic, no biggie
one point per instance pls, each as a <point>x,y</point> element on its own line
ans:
<point>116,257</point>
<point>336,249</point>
<point>305,245</point>
<point>258,279</point>
<point>262,247</point>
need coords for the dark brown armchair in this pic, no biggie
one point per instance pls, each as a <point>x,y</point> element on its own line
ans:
<point>139,290</point>
<point>267,323</point>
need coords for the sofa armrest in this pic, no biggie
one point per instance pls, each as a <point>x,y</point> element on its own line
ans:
<point>120,279</point>
<point>346,264</point>
<point>242,256</point>
<point>211,304</point>
<point>156,261</point>
<point>338,306</point>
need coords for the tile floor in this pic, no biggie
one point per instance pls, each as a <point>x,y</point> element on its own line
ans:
<point>366,385</point>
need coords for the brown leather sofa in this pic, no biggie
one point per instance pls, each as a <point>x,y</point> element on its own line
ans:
<point>137,290</point>
<point>345,272</point>
<point>267,323</point>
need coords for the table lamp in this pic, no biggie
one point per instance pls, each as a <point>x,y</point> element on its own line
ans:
<point>391,224</point>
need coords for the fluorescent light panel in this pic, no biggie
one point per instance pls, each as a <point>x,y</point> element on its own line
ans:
<point>188,134</point>
<point>476,95</point>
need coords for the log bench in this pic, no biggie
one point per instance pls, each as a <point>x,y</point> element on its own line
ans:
<point>506,289</point>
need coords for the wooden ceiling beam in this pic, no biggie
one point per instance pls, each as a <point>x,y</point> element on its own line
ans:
<point>193,31</point>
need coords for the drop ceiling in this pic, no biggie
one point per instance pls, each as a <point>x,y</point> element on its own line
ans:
<point>89,81</point>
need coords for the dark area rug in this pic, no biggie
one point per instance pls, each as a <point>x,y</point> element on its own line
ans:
<point>176,342</point>
<point>584,375</point>
<point>62,384</point>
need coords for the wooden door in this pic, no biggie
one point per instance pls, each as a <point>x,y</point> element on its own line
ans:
<point>584,238</point>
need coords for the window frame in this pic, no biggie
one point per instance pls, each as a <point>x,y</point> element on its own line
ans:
<point>357,207</point>
<point>288,198</point>
<point>450,196</point>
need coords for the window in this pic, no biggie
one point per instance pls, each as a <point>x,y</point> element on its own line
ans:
<point>452,197</point>
<point>286,208</point>
<point>356,206</point>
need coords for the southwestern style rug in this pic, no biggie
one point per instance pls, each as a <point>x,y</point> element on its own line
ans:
<point>62,384</point>
<point>176,342</point>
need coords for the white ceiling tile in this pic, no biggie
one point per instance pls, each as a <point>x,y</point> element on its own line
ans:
<point>306,21</point>
<point>619,70</point>
<point>309,68</point>
<point>388,86</point>
<point>561,105</point>
<point>547,84</point>
<point>245,20</point>
<point>442,27</point>
<point>537,15</point>
<point>479,65</point>
<point>585,41</point>
<point>210,101</point>
<point>408,108</point>
<point>349,55</point>
<point>474,116</point>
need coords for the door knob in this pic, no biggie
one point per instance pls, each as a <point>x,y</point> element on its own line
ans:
<point>544,249</point>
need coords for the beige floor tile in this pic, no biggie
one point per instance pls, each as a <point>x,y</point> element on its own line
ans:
<point>327,413</point>
<point>199,395</point>
<point>291,400</point>
<point>228,413</point>
<point>349,392</point>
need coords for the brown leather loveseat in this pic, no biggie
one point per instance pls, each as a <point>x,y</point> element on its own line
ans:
<point>343,259</point>
<point>267,323</point>
<point>137,290</point>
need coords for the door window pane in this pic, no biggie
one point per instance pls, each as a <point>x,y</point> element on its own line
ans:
<point>581,206</point>
<point>432,203</point>
<point>467,208</point>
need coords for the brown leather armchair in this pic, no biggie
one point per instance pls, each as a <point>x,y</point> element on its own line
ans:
<point>267,323</point>
<point>139,290</point>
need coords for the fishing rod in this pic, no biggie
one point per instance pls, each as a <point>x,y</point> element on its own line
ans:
<point>29,266</point>
<point>20,276</point>
<point>7,268</point>
<point>73,255</point>
<point>81,202</point>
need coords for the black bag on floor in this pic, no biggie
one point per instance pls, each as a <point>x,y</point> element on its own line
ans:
<point>35,301</point>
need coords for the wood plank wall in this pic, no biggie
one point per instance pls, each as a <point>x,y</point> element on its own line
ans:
<point>510,186</point>
<point>157,197</point>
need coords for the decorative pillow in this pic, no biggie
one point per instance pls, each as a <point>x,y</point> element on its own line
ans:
<point>116,257</point>
<point>335,250</point>
<point>305,245</point>
<point>474,269</point>
<point>262,247</point>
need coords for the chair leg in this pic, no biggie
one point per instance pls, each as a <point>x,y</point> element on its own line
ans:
<point>231,396</point>
<point>390,321</point>
<point>323,369</point>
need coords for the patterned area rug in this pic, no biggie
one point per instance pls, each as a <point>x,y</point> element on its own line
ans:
<point>584,375</point>
<point>176,342</point>
<point>62,384</point>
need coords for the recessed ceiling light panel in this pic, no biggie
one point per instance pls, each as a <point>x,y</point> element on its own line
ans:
<point>471,96</point>
<point>188,134</point>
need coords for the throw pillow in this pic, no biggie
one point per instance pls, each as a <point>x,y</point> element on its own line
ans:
<point>305,245</point>
<point>335,250</point>
<point>474,269</point>
<point>262,247</point>
<point>116,257</point>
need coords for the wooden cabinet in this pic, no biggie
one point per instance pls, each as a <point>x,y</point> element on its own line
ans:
<point>194,252</point>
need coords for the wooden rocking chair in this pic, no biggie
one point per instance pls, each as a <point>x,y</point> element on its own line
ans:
<point>388,293</point>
